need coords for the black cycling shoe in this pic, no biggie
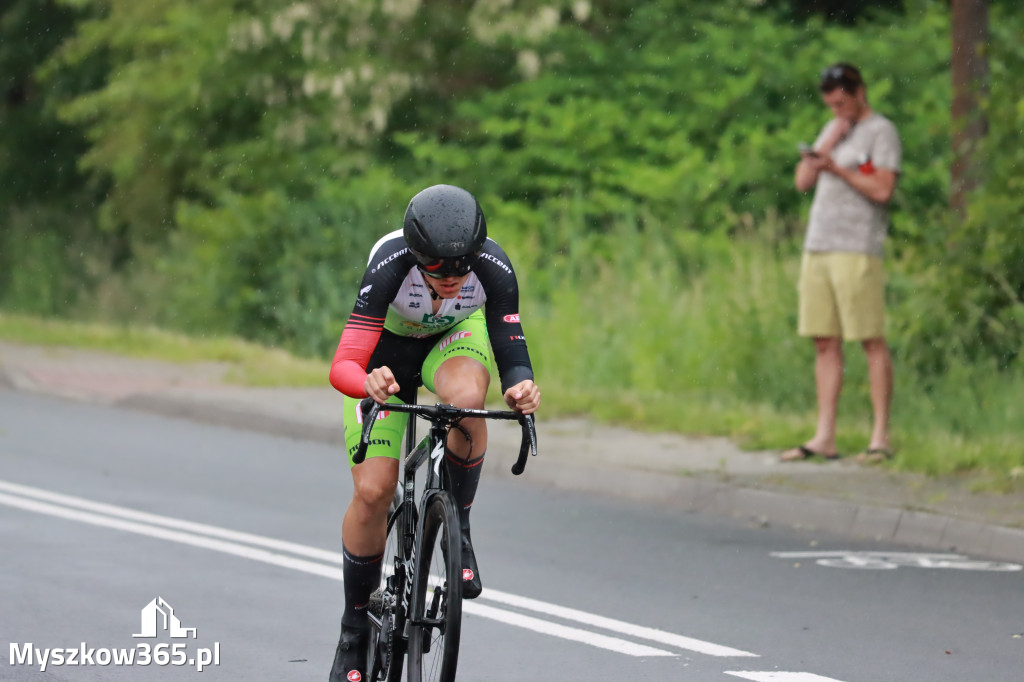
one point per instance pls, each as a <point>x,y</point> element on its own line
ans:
<point>350,658</point>
<point>471,584</point>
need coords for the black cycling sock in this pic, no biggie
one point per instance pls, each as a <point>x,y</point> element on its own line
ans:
<point>361,575</point>
<point>465,477</point>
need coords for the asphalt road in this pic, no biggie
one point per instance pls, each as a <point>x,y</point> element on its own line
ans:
<point>103,511</point>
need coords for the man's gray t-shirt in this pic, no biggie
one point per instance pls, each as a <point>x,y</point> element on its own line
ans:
<point>843,219</point>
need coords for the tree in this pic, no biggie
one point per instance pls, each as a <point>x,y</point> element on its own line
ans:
<point>37,153</point>
<point>970,83</point>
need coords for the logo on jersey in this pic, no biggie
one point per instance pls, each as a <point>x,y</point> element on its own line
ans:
<point>361,300</point>
<point>514,317</point>
<point>453,338</point>
<point>432,320</point>
<point>372,441</point>
<point>390,258</point>
<point>487,256</point>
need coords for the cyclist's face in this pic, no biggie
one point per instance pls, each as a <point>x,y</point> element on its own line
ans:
<point>447,287</point>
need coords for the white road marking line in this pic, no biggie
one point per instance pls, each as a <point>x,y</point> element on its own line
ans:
<point>167,521</point>
<point>253,553</point>
<point>545,627</point>
<point>776,676</point>
<point>332,572</point>
<point>639,631</point>
<point>525,603</point>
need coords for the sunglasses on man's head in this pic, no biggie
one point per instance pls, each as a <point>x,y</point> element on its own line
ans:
<point>840,76</point>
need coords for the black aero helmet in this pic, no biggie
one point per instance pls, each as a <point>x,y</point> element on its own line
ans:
<point>445,229</point>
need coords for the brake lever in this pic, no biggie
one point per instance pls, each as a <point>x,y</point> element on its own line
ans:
<point>368,408</point>
<point>528,447</point>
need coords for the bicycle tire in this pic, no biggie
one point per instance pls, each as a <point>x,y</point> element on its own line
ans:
<point>384,658</point>
<point>436,622</point>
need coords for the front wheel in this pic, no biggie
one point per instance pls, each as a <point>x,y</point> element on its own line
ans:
<point>436,621</point>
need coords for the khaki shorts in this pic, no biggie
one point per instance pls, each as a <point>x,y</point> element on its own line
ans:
<point>842,295</point>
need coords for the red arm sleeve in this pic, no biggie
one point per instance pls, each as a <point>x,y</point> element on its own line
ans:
<point>358,339</point>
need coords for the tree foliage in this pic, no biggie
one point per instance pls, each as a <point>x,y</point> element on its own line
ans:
<point>32,30</point>
<point>671,119</point>
<point>238,159</point>
<point>973,306</point>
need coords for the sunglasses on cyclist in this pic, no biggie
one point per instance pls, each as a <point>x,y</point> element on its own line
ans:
<point>439,268</point>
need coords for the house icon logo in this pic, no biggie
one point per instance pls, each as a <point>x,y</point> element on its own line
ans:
<point>159,615</point>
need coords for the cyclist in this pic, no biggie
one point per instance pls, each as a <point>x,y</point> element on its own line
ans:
<point>433,295</point>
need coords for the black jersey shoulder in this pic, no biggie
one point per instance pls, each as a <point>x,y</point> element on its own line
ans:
<point>391,252</point>
<point>390,261</point>
<point>493,266</point>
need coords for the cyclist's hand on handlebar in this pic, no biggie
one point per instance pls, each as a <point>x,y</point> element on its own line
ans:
<point>523,397</point>
<point>380,384</point>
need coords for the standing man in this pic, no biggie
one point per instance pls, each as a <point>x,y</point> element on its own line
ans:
<point>852,166</point>
<point>437,298</point>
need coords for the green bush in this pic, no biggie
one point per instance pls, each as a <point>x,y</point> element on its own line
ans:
<point>277,269</point>
<point>44,260</point>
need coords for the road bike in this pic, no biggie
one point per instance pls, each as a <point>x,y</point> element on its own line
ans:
<point>417,609</point>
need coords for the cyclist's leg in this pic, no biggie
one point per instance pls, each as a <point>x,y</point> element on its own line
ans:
<point>364,531</point>
<point>364,528</point>
<point>463,381</point>
<point>374,481</point>
<point>365,524</point>
<point>457,371</point>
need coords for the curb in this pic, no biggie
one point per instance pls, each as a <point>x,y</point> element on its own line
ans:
<point>764,507</point>
<point>688,493</point>
<point>217,415</point>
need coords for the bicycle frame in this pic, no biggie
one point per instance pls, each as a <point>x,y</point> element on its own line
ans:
<point>441,418</point>
<point>429,451</point>
<point>401,608</point>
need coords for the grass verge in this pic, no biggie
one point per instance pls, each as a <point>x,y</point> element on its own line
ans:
<point>248,364</point>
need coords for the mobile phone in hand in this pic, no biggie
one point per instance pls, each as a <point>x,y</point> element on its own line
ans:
<point>806,150</point>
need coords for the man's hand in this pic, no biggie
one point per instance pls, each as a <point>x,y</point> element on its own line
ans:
<point>380,384</point>
<point>523,397</point>
<point>836,132</point>
<point>821,163</point>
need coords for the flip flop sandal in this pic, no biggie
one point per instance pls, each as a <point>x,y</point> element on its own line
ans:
<point>807,453</point>
<point>875,456</point>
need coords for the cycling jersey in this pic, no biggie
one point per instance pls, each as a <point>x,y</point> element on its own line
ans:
<point>394,300</point>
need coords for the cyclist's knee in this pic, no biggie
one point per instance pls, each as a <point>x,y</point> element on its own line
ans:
<point>374,493</point>
<point>374,484</point>
<point>467,397</point>
<point>462,382</point>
